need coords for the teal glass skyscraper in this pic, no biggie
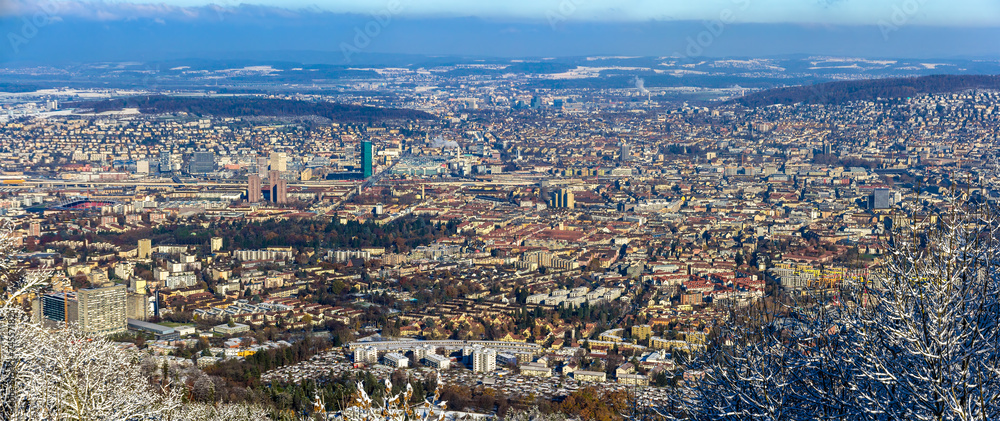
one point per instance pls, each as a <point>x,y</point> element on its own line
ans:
<point>366,158</point>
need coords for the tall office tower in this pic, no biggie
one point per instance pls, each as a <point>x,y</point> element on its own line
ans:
<point>536,102</point>
<point>165,165</point>
<point>253,188</point>
<point>101,311</point>
<point>60,307</point>
<point>626,152</point>
<point>281,191</point>
<point>261,166</point>
<point>881,199</point>
<point>35,229</point>
<point>279,161</point>
<point>202,163</point>
<point>279,187</point>
<point>145,248</point>
<point>563,198</point>
<point>366,158</point>
<point>568,200</point>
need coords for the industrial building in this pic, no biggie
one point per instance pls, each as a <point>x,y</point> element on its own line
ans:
<point>160,331</point>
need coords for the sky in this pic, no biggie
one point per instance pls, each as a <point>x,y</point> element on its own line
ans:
<point>959,13</point>
<point>76,30</point>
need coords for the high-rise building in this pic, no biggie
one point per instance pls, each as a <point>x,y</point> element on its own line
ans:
<point>564,199</point>
<point>137,306</point>
<point>568,200</point>
<point>279,187</point>
<point>626,152</point>
<point>281,191</point>
<point>484,360</point>
<point>366,354</point>
<point>145,248</point>
<point>165,164</point>
<point>202,163</point>
<point>97,311</point>
<point>35,229</point>
<point>279,161</point>
<point>138,285</point>
<point>367,157</point>
<point>60,307</point>
<point>101,311</point>
<point>253,188</point>
<point>881,199</point>
<point>216,244</point>
<point>262,166</point>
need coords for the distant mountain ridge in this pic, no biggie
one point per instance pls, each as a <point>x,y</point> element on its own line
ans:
<point>254,107</point>
<point>860,90</point>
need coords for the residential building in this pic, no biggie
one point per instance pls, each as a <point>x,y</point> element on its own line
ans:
<point>484,360</point>
<point>102,311</point>
<point>366,354</point>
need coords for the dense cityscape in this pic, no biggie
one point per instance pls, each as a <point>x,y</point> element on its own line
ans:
<point>561,210</point>
<point>536,245</point>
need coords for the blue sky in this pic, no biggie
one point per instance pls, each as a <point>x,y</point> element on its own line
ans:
<point>962,13</point>
<point>89,30</point>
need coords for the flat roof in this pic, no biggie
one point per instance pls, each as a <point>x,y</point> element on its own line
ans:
<point>150,327</point>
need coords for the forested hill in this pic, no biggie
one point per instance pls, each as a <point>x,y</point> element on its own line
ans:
<point>860,90</point>
<point>252,107</point>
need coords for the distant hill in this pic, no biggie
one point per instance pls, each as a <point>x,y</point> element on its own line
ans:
<point>860,90</point>
<point>18,88</point>
<point>252,107</point>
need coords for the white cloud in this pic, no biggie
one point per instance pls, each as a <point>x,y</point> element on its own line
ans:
<point>865,12</point>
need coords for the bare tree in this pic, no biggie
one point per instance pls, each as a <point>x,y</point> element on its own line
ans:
<point>224,412</point>
<point>918,340</point>
<point>774,361</point>
<point>83,378</point>
<point>18,338</point>
<point>64,375</point>
<point>925,330</point>
<point>393,407</point>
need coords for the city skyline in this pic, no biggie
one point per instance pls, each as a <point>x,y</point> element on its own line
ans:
<point>559,210</point>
